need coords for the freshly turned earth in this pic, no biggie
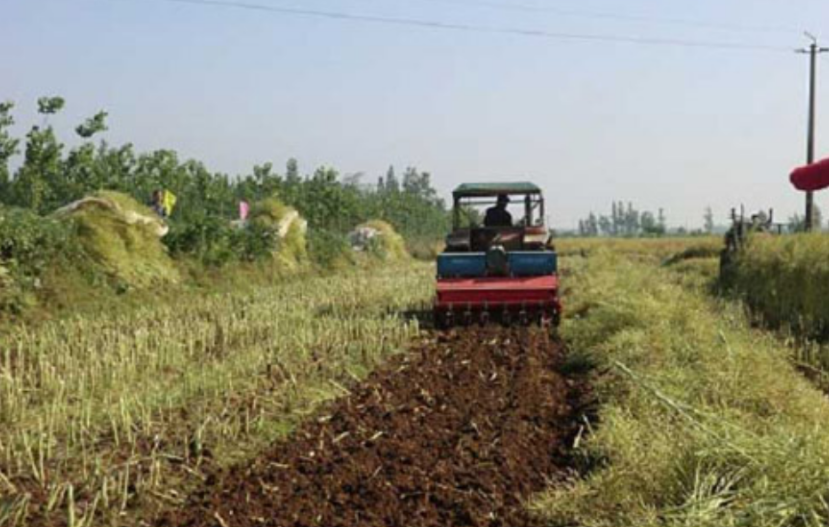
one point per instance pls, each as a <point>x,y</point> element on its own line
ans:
<point>458,432</point>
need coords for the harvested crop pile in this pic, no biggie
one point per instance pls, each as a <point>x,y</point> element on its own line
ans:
<point>123,237</point>
<point>459,432</point>
<point>378,238</point>
<point>288,225</point>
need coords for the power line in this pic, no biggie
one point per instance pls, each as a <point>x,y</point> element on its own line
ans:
<point>471,28</point>
<point>605,15</point>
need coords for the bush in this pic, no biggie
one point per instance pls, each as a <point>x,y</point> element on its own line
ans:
<point>214,241</point>
<point>29,246</point>
<point>29,243</point>
<point>329,250</point>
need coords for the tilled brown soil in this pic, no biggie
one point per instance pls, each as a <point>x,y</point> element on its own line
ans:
<point>458,432</point>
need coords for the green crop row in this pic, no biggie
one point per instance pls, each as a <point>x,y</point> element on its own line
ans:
<point>702,421</point>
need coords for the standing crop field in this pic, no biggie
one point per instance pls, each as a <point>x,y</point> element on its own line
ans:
<point>105,416</point>
<point>785,279</point>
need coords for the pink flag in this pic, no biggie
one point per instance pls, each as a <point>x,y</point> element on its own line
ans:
<point>244,210</point>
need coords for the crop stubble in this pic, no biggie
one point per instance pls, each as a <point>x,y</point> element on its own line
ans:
<point>460,431</point>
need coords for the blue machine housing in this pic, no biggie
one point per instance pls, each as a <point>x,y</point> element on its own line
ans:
<point>521,263</point>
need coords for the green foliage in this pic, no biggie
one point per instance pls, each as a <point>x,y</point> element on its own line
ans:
<point>38,183</point>
<point>208,202</point>
<point>624,221</point>
<point>30,243</point>
<point>50,105</point>
<point>29,246</point>
<point>329,250</point>
<point>214,241</point>
<point>93,125</point>
<point>8,147</point>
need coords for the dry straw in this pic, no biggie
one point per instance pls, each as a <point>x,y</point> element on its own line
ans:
<point>704,421</point>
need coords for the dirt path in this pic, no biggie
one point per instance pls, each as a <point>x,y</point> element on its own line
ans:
<point>456,433</point>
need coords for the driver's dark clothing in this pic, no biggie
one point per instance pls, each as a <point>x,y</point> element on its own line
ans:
<point>498,217</point>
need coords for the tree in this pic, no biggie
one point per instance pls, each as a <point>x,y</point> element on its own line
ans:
<point>606,225</point>
<point>354,180</point>
<point>8,148</point>
<point>392,185</point>
<point>709,220</point>
<point>796,222</point>
<point>292,171</point>
<point>48,179</point>
<point>651,226</point>
<point>35,185</point>
<point>93,125</point>
<point>592,225</point>
<point>50,105</point>
<point>631,220</point>
<point>648,222</point>
<point>624,220</point>
<point>615,219</point>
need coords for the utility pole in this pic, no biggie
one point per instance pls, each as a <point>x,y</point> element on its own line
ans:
<point>813,51</point>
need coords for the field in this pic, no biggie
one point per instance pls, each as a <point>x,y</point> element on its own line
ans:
<point>329,400</point>
<point>105,414</point>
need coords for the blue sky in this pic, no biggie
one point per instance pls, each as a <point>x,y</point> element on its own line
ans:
<point>662,126</point>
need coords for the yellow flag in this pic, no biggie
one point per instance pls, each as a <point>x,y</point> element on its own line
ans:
<point>168,201</point>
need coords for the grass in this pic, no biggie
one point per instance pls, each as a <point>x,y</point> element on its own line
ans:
<point>104,419</point>
<point>702,420</point>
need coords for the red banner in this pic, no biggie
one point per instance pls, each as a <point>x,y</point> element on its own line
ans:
<point>811,177</point>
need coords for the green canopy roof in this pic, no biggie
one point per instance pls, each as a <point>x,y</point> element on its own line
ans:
<point>493,189</point>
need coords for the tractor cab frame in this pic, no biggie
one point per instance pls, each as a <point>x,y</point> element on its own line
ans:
<point>469,233</point>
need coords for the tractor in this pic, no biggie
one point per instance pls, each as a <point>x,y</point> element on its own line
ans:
<point>494,267</point>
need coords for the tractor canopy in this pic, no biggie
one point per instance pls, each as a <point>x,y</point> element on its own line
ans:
<point>495,189</point>
<point>472,200</point>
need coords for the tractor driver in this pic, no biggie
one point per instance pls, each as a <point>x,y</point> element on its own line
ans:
<point>499,216</point>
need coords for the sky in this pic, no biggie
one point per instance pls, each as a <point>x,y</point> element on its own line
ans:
<point>678,127</point>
